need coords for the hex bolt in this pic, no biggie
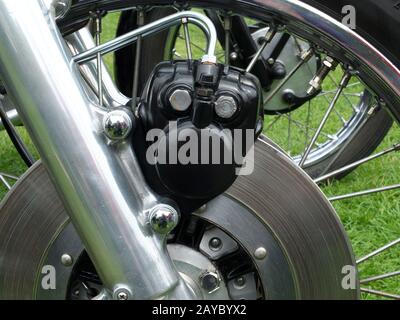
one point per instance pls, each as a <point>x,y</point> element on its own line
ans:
<point>209,281</point>
<point>180,100</point>
<point>226,107</point>
<point>117,124</point>
<point>260,253</point>
<point>163,218</point>
<point>215,244</point>
<point>67,260</point>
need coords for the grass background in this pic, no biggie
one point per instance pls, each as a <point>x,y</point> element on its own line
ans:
<point>370,221</point>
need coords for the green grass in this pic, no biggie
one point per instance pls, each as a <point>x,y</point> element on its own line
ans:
<point>370,221</point>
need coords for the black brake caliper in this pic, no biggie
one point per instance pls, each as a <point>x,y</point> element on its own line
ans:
<point>198,121</point>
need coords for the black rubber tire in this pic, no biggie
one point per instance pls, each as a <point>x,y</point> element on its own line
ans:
<point>376,21</point>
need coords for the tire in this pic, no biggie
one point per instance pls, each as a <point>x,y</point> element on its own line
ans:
<point>364,142</point>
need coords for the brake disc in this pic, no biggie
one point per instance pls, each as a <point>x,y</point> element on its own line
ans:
<point>304,247</point>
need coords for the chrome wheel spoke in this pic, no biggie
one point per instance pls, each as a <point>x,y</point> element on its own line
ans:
<point>194,45</point>
<point>289,136</point>
<point>381,293</point>
<point>357,163</point>
<point>136,72</point>
<point>4,181</point>
<point>378,251</point>
<point>345,80</point>
<point>380,277</point>
<point>98,27</point>
<point>340,117</point>
<point>270,126</point>
<point>364,193</point>
<point>267,39</point>
<point>9,176</point>
<point>187,39</point>
<point>227,27</point>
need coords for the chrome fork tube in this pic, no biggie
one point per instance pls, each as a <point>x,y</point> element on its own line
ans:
<point>100,183</point>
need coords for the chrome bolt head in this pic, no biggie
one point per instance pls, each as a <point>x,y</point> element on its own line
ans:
<point>67,260</point>
<point>180,100</point>
<point>122,296</point>
<point>163,219</point>
<point>122,293</point>
<point>226,107</point>
<point>260,253</point>
<point>215,244</point>
<point>210,281</point>
<point>117,124</point>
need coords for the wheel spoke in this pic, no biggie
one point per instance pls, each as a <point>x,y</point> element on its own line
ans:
<point>346,97</point>
<point>136,72</point>
<point>380,277</point>
<point>98,27</point>
<point>304,58</point>
<point>364,193</point>
<point>227,27</point>
<point>9,176</point>
<point>378,251</point>
<point>341,118</point>
<point>192,44</point>
<point>187,39</point>
<point>307,134</point>
<point>15,138</point>
<point>353,165</point>
<point>4,181</point>
<point>267,39</point>
<point>303,127</point>
<point>289,137</point>
<point>349,140</point>
<point>273,123</point>
<point>357,95</point>
<point>381,293</point>
<point>345,80</point>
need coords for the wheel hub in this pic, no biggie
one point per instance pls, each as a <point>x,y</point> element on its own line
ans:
<point>201,275</point>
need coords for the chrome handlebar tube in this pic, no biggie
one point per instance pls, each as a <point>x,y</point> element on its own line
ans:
<point>100,182</point>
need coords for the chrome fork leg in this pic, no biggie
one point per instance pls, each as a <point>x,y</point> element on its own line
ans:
<point>100,184</point>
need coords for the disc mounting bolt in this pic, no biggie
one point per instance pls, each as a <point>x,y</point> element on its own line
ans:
<point>260,253</point>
